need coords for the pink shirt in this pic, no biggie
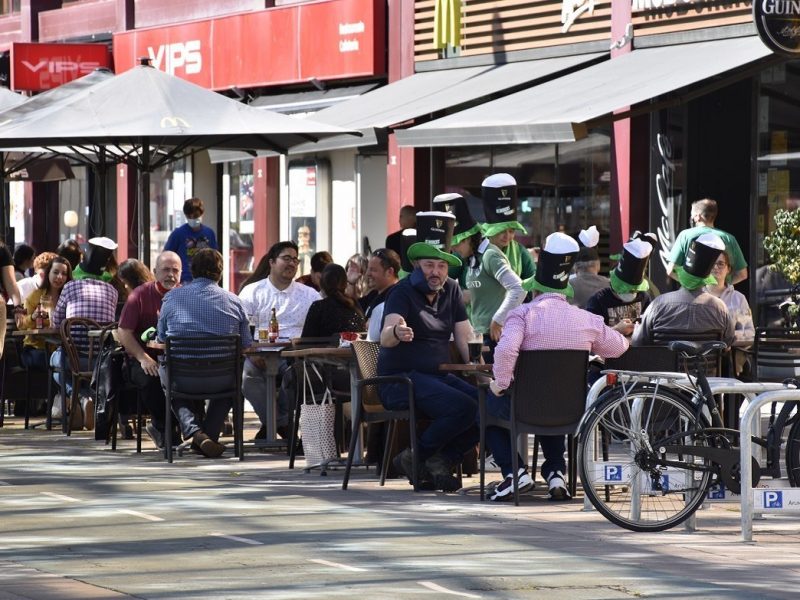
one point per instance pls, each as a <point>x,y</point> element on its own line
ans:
<point>551,323</point>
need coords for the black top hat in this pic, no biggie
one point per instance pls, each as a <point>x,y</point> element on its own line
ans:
<point>98,252</point>
<point>649,237</point>
<point>434,237</point>
<point>555,263</point>
<point>628,276</point>
<point>455,204</point>
<point>499,193</point>
<point>409,237</point>
<point>703,253</point>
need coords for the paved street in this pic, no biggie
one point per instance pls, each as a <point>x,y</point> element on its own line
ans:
<point>80,521</point>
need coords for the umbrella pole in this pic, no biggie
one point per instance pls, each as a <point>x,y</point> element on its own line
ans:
<point>98,222</point>
<point>5,209</point>
<point>144,205</point>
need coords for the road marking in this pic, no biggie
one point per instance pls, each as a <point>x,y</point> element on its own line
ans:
<point>337,565</point>
<point>60,497</point>
<point>5,483</point>
<point>236,538</point>
<point>141,515</point>
<point>437,588</point>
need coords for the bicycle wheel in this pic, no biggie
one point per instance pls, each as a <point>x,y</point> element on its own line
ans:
<point>793,454</point>
<point>619,450</point>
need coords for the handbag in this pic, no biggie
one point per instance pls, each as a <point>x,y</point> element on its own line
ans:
<point>317,420</point>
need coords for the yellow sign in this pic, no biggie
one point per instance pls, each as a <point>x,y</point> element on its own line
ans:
<point>447,24</point>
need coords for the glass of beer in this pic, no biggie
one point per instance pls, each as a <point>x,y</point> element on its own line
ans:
<point>475,345</point>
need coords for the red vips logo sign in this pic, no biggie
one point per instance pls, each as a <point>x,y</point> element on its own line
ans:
<point>38,67</point>
<point>324,40</point>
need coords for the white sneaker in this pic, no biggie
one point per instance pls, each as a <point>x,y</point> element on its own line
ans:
<point>557,487</point>
<point>491,465</point>
<point>55,412</point>
<point>505,491</point>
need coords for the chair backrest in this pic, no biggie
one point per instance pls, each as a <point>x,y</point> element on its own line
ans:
<point>366,354</point>
<point>645,358</point>
<point>203,357</point>
<point>549,391</point>
<point>776,354</point>
<point>80,350</point>
<point>713,361</point>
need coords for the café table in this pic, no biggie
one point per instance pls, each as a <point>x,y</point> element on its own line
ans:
<point>52,339</point>
<point>340,357</point>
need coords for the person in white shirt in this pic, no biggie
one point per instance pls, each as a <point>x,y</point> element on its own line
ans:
<point>29,284</point>
<point>736,302</point>
<point>384,265</point>
<point>291,301</point>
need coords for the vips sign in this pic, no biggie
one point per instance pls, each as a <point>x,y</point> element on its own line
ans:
<point>778,25</point>
<point>324,40</point>
<point>38,67</point>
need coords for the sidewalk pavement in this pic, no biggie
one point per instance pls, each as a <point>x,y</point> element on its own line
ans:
<point>81,521</point>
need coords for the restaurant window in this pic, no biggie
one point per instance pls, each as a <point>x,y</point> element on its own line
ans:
<point>561,187</point>
<point>170,186</point>
<point>73,197</point>
<point>237,194</point>
<point>777,182</point>
<point>8,7</point>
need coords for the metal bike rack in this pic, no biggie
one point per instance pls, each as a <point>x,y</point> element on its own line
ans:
<point>768,499</point>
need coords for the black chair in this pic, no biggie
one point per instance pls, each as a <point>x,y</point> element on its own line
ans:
<point>644,358</point>
<point>198,358</point>
<point>776,354</point>
<point>548,397</point>
<point>713,362</point>
<point>369,409</point>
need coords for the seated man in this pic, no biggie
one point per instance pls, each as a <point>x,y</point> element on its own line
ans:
<point>691,308</point>
<point>384,265</point>
<point>139,314</point>
<point>420,315</point>
<point>201,308</point>
<point>549,322</point>
<point>291,301</point>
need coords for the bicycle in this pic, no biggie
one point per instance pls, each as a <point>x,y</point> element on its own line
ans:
<point>653,445</point>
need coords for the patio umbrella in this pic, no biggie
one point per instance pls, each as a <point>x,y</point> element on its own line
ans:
<point>149,118</point>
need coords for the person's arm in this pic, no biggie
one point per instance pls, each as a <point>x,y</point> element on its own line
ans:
<point>740,275</point>
<point>128,340</point>
<point>462,332</point>
<point>507,350</point>
<point>641,333</point>
<point>609,343</point>
<point>499,267</point>
<point>25,320</point>
<point>172,242</point>
<point>375,322</point>
<point>10,285</point>
<point>395,331</point>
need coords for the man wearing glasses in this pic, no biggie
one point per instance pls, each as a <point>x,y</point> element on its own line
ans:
<point>291,301</point>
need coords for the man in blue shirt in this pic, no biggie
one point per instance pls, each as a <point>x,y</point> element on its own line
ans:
<point>420,315</point>
<point>191,237</point>
<point>202,308</point>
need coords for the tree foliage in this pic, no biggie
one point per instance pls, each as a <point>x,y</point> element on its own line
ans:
<point>783,245</point>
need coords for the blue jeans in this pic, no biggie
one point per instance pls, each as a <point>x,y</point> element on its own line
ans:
<point>449,402</point>
<point>34,358</point>
<point>499,441</point>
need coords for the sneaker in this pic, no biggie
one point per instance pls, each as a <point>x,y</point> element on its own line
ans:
<point>76,417</point>
<point>491,465</point>
<point>557,487</point>
<point>505,491</point>
<point>261,434</point>
<point>441,471</point>
<point>87,405</point>
<point>207,446</point>
<point>155,435</point>
<point>55,412</point>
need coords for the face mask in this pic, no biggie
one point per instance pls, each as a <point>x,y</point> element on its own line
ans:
<point>419,282</point>
<point>194,223</point>
<point>627,297</point>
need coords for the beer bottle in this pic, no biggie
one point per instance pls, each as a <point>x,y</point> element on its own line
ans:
<point>274,328</point>
<point>38,317</point>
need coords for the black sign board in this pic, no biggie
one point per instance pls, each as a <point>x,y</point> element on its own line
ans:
<point>778,25</point>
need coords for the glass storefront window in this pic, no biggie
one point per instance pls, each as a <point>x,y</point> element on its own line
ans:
<point>562,187</point>
<point>778,177</point>
<point>170,187</point>
<point>237,192</point>
<point>72,196</point>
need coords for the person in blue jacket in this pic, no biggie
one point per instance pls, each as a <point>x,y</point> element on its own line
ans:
<point>191,237</point>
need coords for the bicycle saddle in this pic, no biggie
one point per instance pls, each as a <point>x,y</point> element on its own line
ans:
<point>696,348</point>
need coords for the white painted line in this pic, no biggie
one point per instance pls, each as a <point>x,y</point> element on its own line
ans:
<point>60,497</point>
<point>141,515</point>
<point>437,588</point>
<point>337,565</point>
<point>5,483</point>
<point>236,538</point>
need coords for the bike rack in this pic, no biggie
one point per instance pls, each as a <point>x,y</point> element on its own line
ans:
<point>770,500</point>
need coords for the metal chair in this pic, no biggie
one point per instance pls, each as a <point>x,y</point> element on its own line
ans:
<point>198,358</point>
<point>548,397</point>
<point>80,352</point>
<point>369,409</point>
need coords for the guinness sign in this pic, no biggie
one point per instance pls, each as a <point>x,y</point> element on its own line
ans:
<point>778,25</point>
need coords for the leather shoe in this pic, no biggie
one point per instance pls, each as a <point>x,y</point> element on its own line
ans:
<point>207,446</point>
<point>441,471</point>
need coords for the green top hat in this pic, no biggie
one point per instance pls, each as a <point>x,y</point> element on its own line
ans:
<point>434,237</point>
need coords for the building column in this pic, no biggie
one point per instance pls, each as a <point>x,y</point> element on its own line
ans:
<point>127,216</point>
<point>266,204</point>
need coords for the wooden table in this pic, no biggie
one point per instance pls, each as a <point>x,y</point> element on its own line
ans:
<point>340,357</point>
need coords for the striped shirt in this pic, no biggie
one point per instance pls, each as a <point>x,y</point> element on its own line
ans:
<point>551,323</point>
<point>201,308</point>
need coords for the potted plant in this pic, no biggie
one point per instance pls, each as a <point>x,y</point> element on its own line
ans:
<point>783,246</point>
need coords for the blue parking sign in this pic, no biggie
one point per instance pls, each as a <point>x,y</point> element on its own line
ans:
<point>613,472</point>
<point>717,492</point>
<point>773,499</point>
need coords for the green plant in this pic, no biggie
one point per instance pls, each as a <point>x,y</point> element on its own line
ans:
<point>783,245</point>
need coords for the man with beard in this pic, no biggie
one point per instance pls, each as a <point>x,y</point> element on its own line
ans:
<point>139,314</point>
<point>291,301</point>
<point>420,315</point>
